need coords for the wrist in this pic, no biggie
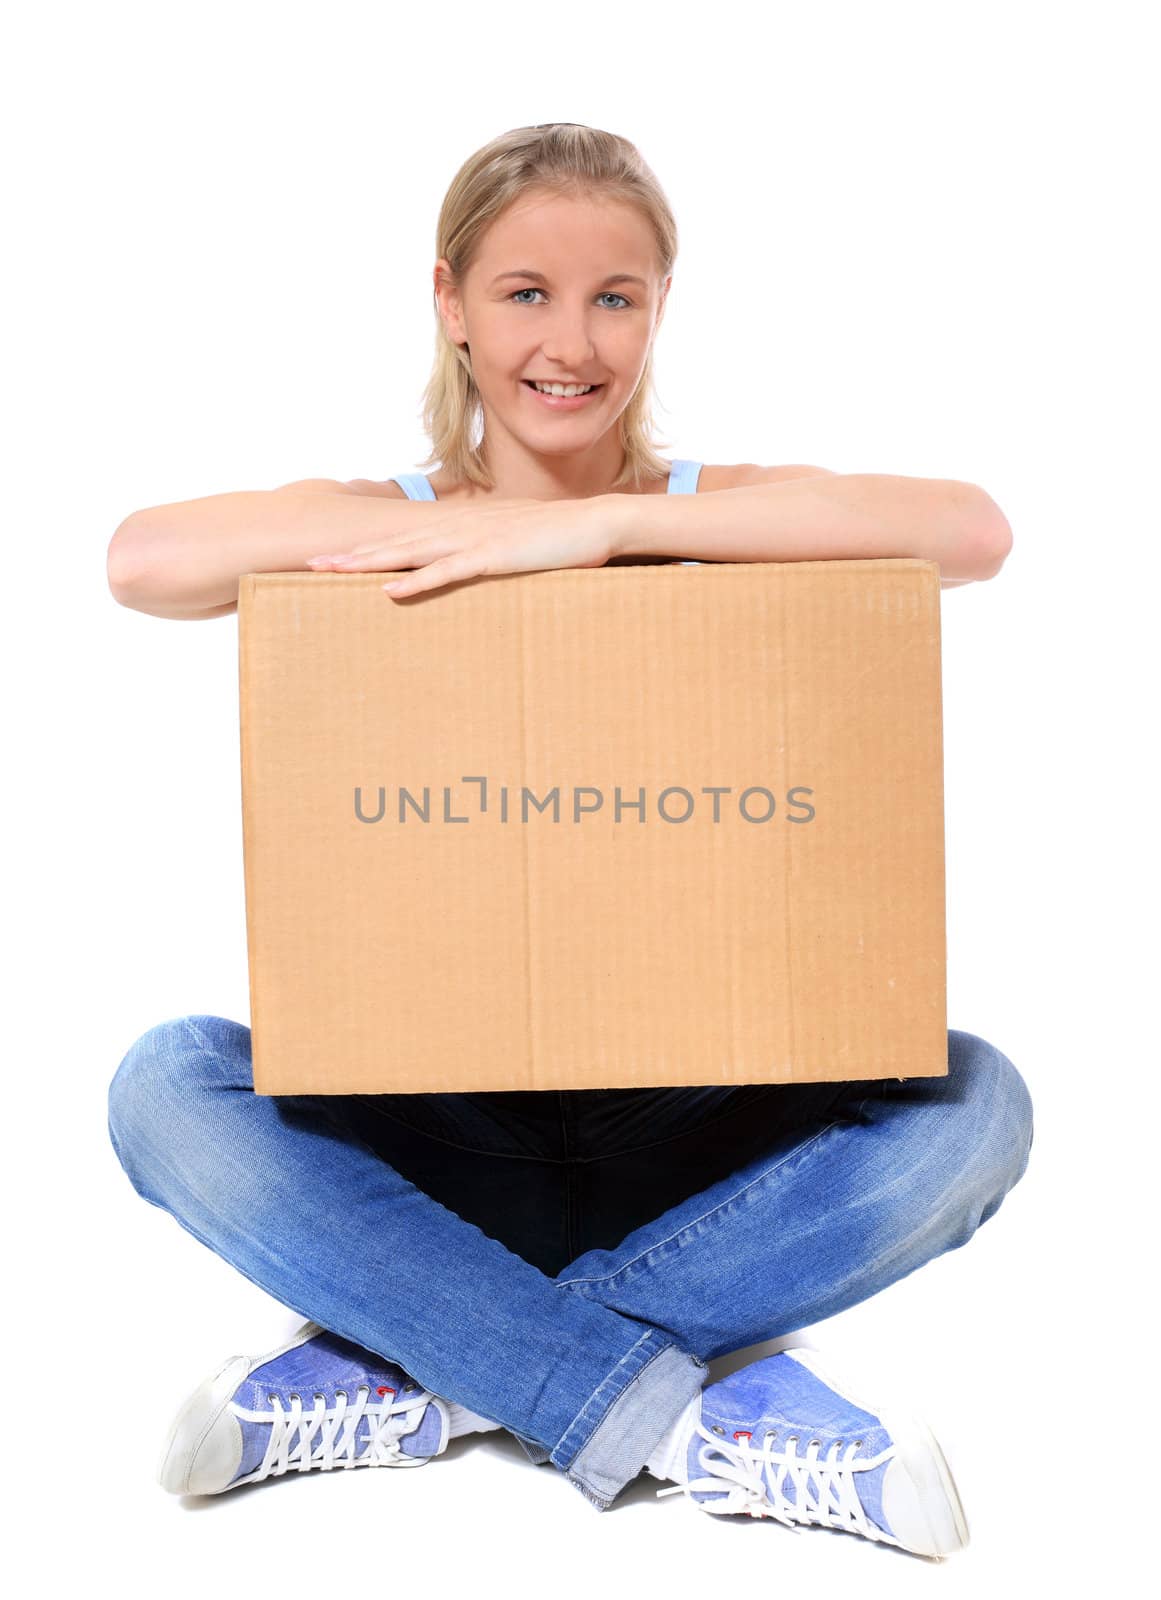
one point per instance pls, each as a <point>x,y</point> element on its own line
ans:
<point>622,525</point>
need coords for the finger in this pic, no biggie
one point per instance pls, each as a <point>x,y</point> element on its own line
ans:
<point>344,555</point>
<point>368,547</point>
<point>382,557</point>
<point>448,569</point>
<point>377,559</point>
<point>364,549</point>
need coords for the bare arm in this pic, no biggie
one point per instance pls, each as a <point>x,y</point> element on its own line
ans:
<point>184,560</point>
<point>833,517</point>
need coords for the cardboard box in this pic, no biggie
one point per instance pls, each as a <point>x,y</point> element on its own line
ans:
<point>614,827</point>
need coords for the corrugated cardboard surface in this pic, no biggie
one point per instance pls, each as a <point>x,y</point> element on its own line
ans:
<point>483,849</point>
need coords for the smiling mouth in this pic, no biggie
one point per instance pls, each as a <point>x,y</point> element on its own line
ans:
<point>592,388</point>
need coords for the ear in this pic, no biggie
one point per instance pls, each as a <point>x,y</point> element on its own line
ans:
<point>447,295</point>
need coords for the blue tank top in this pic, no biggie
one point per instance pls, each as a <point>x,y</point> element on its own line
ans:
<point>683,476</point>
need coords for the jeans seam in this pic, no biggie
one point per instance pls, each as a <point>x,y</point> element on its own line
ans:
<point>572,1283</point>
<point>632,1370</point>
<point>202,1042</point>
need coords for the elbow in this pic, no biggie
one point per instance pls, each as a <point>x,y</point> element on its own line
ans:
<point>140,582</point>
<point>125,563</point>
<point>984,535</point>
<point>995,537</point>
<point>1000,551</point>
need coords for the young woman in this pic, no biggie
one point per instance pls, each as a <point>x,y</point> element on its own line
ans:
<point>563,1265</point>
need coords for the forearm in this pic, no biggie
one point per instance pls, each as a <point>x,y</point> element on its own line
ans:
<point>851,517</point>
<point>185,559</point>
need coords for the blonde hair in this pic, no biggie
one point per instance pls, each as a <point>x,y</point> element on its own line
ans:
<point>562,158</point>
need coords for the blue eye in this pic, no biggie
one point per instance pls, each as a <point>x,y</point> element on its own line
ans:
<point>608,294</point>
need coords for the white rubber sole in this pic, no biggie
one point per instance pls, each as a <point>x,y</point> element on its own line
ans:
<point>920,1498</point>
<point>203,1448</point>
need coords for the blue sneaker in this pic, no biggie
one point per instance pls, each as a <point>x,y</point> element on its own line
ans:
<point>248,1420</point>
<point>784,1438</point>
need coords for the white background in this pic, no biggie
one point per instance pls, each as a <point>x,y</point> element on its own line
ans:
<point>914,239</point>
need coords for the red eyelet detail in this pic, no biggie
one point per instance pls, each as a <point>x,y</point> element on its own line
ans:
<point>383,1389</point>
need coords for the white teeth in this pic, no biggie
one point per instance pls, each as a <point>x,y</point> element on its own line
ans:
<point>563,388</point>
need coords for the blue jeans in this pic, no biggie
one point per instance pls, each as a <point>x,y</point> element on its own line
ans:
<point>566,1263</point>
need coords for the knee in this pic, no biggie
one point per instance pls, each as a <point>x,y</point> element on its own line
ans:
<point>1001,1121</point>
<point>168,1061</point>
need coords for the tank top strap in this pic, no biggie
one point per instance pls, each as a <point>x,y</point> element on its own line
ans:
<point>683,476</point>
<point>415,485</point>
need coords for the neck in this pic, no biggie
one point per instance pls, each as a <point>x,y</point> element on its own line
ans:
<point>523,474</point>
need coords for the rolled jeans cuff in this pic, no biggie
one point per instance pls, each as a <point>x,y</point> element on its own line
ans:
<point>616,1430</point>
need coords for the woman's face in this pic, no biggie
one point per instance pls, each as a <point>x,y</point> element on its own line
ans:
<point>539,302</point>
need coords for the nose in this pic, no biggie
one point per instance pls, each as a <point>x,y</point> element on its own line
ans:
<point>568,342</point>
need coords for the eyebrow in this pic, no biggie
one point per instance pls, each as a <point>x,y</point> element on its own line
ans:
<point>527,272</point>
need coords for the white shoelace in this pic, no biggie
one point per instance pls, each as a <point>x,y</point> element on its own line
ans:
<point>756,1478</point>
<point>292,1431</point>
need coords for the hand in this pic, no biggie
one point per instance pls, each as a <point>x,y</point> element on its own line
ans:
<point>516,535</point>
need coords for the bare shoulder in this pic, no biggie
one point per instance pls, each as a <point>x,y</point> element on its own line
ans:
<point>390,490</point>
<point>741,475</point>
